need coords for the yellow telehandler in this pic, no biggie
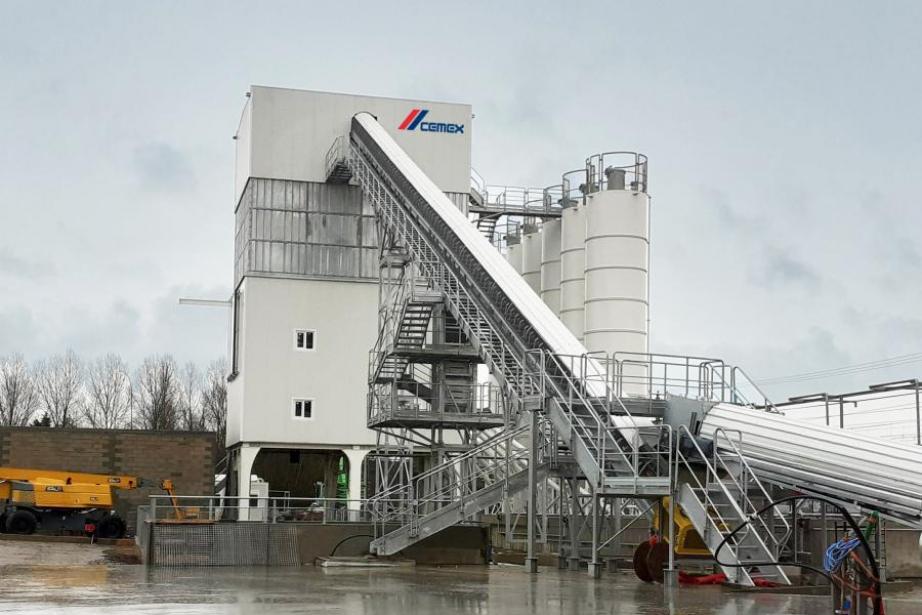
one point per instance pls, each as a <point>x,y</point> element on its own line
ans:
<point>62,501</point>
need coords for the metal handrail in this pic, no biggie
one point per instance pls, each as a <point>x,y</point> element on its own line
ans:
<point>746,471</point>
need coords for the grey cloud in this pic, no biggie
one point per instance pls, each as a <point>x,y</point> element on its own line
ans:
<point>781,269</point>
<point>17,267</point>
<point>163,168</point>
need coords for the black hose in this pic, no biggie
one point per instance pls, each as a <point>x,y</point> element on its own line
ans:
<point>872,562</point>
<point>336,546</point>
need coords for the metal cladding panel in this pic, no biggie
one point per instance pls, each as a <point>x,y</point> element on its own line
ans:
<point>617,263</point>
<point>841,464</point>
<point>514,256</point>
<point>550,264</point>
<point>288,132</point>
<point>542,321</point>
<point>572,269</point>
<point>531,260</point>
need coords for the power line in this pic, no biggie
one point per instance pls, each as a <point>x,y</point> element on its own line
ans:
<point>846,369</point>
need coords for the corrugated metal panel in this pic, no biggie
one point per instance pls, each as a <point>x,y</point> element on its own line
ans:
<point>303,229</point>
<point>309,230</point>
<point>879,475</point>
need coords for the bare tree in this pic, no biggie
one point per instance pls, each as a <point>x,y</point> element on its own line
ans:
<point>214,400</point>
<point>59,382</point>
<point>157,393</point>
<point>108,393</point>
<point>190,385</point>
<point>18,396</point>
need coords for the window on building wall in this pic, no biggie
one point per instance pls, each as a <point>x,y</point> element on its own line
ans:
<point>304,339</point>
<point>303,408</point>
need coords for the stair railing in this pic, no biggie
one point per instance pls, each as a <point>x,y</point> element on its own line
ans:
<point>728,454</point>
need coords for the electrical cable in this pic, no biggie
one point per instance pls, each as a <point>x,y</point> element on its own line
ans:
<point>874,591</point>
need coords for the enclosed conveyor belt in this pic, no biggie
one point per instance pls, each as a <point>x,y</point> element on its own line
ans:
<point>842,465</point>
<point>523,342</point>
<point>525,315</point>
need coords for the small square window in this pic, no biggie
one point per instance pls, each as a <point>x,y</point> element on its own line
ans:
<point>304,339</point>
<point>303,408</point>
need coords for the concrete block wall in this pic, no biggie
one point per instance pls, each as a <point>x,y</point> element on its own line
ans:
<point>187,458</point>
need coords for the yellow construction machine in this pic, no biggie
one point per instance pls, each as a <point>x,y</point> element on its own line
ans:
<point>62,501</point>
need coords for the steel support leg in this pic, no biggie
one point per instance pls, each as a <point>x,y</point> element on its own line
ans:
<point>531,558</point>
<point>671,578</point>
<point>595,566</point>
<point>573,559</point>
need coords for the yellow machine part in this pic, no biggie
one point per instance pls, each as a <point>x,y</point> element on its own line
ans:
<point>32,475</point>
<point>687,540</point>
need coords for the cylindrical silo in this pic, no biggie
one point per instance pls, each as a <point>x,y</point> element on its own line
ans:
<point>531,258</point>
<point>617,263</point>
<point>514,252</point>
<point>550,264</point>
<point>572,267</point>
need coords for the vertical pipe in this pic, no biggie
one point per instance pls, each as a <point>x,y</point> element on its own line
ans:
<point>841,413</point>
<point>595,569</point>
<point>574,524</point>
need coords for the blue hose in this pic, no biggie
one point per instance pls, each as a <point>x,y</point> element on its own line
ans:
<point>837,552</point>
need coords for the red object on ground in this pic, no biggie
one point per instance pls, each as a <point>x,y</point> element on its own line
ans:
<point>702,579</point>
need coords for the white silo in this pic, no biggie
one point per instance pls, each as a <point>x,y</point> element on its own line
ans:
<point>531,257</point>
<point>617,264</point>
<point>550,264</point>
<point>514,252</point>
<point>572,267</point>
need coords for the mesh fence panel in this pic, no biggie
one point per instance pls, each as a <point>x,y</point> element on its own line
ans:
<point>225,544</point>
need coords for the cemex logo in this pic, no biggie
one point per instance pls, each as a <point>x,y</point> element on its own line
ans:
<point>414,120</point>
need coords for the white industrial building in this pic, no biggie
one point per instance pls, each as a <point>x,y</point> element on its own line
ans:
<point>306,270</point>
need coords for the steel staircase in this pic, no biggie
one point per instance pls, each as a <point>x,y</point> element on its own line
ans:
<point>487,226</point>
<point>728,495</point>
<point>457,490</point>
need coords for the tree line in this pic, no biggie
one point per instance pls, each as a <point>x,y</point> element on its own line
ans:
<point>68,391</point>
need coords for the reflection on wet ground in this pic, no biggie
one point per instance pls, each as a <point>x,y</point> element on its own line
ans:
<point>442,591</point>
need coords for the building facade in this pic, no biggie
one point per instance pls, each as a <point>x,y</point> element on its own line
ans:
<point>306,257</point>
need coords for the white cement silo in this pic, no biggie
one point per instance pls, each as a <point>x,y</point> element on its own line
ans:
<point>531,258</point>
<point>617,265</point>
<point>514,252</point>
<point>572,268</point>
<point>550,264</point>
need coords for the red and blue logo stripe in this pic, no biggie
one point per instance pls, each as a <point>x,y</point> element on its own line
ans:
<point>413,119</point>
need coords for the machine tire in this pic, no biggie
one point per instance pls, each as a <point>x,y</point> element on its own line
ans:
<point>21,522</point>
<point>3,523</point>
<point>110,527</point>
<point>640,562</point>
<point>657,559</point>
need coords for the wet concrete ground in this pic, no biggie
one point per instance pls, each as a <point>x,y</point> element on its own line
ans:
<point>107,588</point>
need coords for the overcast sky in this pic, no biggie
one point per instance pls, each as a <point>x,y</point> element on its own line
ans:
<point>784,141</point>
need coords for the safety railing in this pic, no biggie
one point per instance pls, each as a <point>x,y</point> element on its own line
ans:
<point>703,378</point>
<point>617,171</point>
<point>214,509</point>
<point>411,400</point>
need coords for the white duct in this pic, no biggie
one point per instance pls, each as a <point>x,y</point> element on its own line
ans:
<point>840,464</point>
